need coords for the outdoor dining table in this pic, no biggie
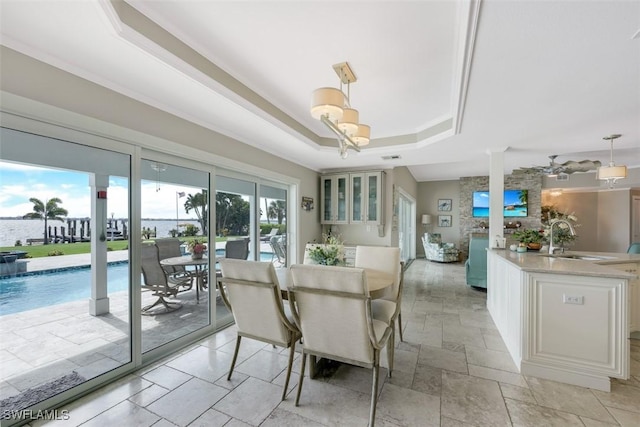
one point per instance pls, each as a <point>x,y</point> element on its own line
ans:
<point>199,272</point>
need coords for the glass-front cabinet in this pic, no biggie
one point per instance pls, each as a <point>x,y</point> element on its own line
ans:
<point>366,198</point>
<point>361,193</point>
<point>334,191</point>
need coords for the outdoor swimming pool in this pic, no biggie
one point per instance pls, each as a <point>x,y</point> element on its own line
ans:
<point>28,292</point>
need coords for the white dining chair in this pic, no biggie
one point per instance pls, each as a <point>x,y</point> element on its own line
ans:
<point>386,259</point>
<point>332,308</point>
<point>251,291</point>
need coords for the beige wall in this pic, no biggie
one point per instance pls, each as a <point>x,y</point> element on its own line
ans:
<point>106,112</point>
<point>582,205</point>
<point>428,195</point>
<point>604,218</point>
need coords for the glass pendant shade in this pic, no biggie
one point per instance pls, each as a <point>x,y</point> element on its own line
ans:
<point>349,122</point>
<point>327,101</point>
<point>362,135</point>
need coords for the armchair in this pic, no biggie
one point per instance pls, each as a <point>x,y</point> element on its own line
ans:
<point>476,264</point>
<point>435,250</point>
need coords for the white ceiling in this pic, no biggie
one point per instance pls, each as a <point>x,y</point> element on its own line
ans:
<point>544,77</point>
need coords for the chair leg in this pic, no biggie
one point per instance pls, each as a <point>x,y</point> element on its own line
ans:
<point>400,325</point>
<point>235,356</point>
<point>304,362</point>
<point>169,306</point>
<point>292,350</point>
<point>391,347</point>
<point>374,388</point>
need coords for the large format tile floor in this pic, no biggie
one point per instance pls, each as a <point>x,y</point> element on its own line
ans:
<point>452,370</point>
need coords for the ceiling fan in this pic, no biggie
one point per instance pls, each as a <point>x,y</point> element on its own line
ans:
<point>567,167</point>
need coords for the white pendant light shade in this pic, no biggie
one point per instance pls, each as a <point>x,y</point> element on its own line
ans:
<point>362,135</point>
<point>611,172</point>
<point>349,121</point>
<point>327,101</point>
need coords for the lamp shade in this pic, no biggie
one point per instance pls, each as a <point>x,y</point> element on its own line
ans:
<point>611,172</point>
<point>426,219</point>
<point>349,121</point>
<point>327,101</point>
<point>362,135</point>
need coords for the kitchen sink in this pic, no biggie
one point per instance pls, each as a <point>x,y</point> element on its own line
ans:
<point>581,257</point>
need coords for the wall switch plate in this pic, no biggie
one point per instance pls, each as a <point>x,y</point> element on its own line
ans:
<point>572,299</point>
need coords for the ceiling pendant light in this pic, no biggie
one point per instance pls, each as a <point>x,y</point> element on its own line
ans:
<point>333,108</point>
<point>611,173</point>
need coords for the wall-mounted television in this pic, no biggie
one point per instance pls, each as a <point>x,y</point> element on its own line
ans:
<point>515,203</point>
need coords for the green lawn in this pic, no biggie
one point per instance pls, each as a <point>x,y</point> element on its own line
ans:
<point>37,251</point>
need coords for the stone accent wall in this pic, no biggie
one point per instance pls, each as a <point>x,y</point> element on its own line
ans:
<point>470,225</point>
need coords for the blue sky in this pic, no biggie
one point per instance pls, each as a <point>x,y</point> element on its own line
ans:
<point>18,183</point>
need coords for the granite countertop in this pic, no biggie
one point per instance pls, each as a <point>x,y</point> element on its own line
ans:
<point>597,266</point>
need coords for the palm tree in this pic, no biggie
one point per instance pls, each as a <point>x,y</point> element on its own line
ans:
<point>277,209</point>
<point>198,203</point>
<point>46,211</point>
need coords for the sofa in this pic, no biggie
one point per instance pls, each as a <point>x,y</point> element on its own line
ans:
<point>435,250</point>
<point>476,264</point>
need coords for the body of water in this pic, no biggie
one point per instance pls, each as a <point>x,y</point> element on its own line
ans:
<point>23,229</point>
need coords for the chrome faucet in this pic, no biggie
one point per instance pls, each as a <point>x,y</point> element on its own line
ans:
<point>552,249</point>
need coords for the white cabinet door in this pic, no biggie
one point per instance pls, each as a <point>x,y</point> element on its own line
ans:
<point>334,195</point>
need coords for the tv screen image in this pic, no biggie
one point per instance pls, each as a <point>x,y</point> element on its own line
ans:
<point>515,203</point>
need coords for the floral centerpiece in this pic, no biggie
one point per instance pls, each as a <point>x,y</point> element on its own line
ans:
<point>197,247</point>
<point>330,252</point>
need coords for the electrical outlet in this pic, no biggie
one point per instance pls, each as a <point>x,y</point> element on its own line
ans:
<point>572,299</point>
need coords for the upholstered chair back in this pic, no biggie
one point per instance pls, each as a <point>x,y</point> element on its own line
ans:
<point>333,311</point>
<point>255,299</point>
<point>385,259</point>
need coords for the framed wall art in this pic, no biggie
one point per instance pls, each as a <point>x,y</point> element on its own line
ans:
<point>444,220</point>
<point>444,205</point>
<point>307,203</point>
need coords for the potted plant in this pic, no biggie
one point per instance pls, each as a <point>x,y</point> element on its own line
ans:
<point>530,237</point>
<point>330,252</point>
<point>197,247</point>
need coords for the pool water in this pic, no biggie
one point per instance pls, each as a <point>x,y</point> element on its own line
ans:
<point>22,293</point>
<point>33,291</point>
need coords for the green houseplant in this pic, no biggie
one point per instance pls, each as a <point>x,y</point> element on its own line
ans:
<point>530,237</point>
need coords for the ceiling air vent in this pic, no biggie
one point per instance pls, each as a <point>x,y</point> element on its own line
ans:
<point>562,177</point>
<point>393,157</point>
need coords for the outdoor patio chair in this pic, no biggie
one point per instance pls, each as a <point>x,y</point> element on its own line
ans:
<point>267,237</point>
<point>155,280</point>
<point>279,250</point>
<point>237,249</point>
<point>251,291</point>
<point>332,308</point>
<point>177,275</point>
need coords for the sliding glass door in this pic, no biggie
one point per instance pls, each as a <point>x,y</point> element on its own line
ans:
<point>174,215</point>
<point>65,313</point>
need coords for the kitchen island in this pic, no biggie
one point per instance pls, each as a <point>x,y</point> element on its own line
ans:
<point>565,317</point>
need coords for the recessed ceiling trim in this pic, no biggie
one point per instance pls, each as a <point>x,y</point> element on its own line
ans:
<point>139,30</point>
<point>469,15</point>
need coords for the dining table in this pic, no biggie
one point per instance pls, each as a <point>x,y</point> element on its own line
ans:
<point>378,282</point>
<point>199,271</point>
